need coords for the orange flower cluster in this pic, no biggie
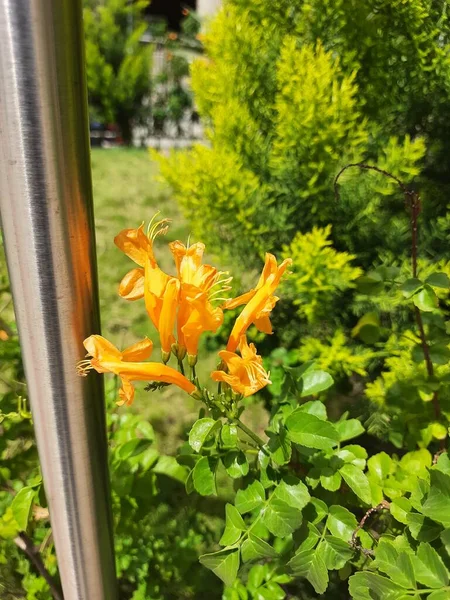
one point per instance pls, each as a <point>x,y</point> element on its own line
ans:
<point>182,307</point>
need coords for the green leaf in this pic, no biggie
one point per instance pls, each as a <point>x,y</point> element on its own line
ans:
<point>411,287</point>
<point>21,506</point>
<point>357,482</point>
<point>8,525</point>
<point>315,511</point>
<point>440,353</point>
<point>132,448</point>
<point>254,548</point>
<point>330,480</point>
<point>253,496</point>
<point>430,570</point>
<point>225,564</point>
<point>280,518</point>
<point>380,465</point>
<point>336,552</point>
<point>370,284</point>
<point>341,522</point>
<point>397,565</point>
<point>169,466</point>
<point>279,446</point>
<point>235,463</point>
<point>350,429</point>
<point>368,328</point>
<point>371,586</point>
<point>310,431</point>
<point>200,432</point>
<point>316,408</point>
<point>439,595</point>
<point>292,491</point>
<point>445,538</point>
<point>400,507</point>
<point>314,382</point>
<point>204,476</point>
<point>437,504</point>
<point>439,280</point>
<point>234,526</point>
<point>229,435</point>
<point>422,528</point>
<point>310,564</point>
<point>426,300</point>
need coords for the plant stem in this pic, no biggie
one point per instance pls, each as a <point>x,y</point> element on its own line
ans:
<point>24,542</point>
<point>354,541</point>
<point>412,199</point>
<point>181,367</point>
<point>251,434</point>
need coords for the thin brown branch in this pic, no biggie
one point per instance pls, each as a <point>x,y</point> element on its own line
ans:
<point>25,543</point>
<point>412,200</point>
<point>384,505</point>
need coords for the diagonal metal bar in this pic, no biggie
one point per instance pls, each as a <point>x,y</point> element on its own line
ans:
<point>47,218</point>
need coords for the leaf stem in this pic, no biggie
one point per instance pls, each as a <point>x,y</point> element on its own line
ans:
<point>251,434</point>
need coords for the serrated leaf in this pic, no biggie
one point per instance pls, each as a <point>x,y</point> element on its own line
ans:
<point>410,287</point>
<point>200,432</point>
<point>369,586</point>
<point>225,564</point>
<point>425,300</point>
<point>253,496</point>
<point>335,552</point>
<point>235,463</point>
<point>330,480</point>
<point>21,506</point>
<point>429,567</point>
<point>280,518</point>
<point>400,507</point>
<point>341,522</point>
<point>422,528</point>
<point>314,382</point>
<point>234,526</point>
<point>439,280</point>
<point>293,492</point>
<point>132,448</point>
<point>229,435</point>
<point>437,504</point>
<point>169,466</point>
<point>439,595</point>
<point>279,446</point>
<point>310,431</point>
<point>254,548</point>
<point>316,408</point>
<point>204,476</point>
<point>380,465</point>
<point>357,482</point>
<point>310,564</point>
<point>350,429</point>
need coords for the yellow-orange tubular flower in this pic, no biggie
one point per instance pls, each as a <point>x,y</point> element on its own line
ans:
<point>260,301</point>
<point>196,315</point>
<point>246,374</point>
<point>161,294</point>
<point>106,358</point>
<point>199,285</point>
<point>139,247</point>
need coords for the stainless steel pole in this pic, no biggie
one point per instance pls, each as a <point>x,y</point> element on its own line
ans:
<point>47,216</point>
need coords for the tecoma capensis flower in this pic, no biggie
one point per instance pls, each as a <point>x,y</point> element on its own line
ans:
<point>161,294</point>
<point>139,247</point>
<point>259,301</point>
<point>246,374</point>
<point>199,285</point>
<point>106,358</point>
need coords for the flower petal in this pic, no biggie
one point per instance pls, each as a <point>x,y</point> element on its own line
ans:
<point>101,349</point>
<point>139,351</point>
<point>132,285</point>
<point>135,244</point>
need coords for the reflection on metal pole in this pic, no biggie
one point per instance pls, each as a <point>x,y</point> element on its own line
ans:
<point>46,208</point>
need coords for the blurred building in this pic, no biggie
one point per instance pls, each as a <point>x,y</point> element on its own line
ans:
<point>172,10</point>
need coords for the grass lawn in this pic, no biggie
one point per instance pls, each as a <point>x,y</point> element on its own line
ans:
<point>126,192</point>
